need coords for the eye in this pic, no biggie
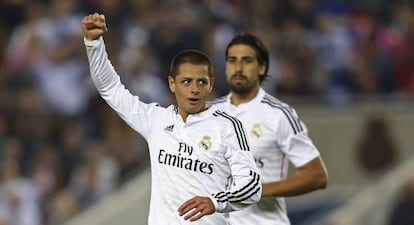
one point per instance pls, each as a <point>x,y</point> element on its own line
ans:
<point>231,60</point>
<point>185,82</point>
<point>248,60</point>
<point>203,82</point>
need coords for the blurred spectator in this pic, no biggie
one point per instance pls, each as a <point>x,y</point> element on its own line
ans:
<point>19,202</point>
<point>71,147</point>
<point>3,134</point>
<point>138,64</point>
<point>130,149</point>
<point>11,13</point>
<point>63,205</point>
<point>332,41</point>
<point>96,176</point>
<point>46,45</point>
<point>404,59</point>
<point>61,80</point>
<point>43,170</point>
<point>169,38</point>
<point>296,60</point>
<point>372,67</point>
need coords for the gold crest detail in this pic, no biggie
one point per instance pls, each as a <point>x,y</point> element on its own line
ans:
<point>205,143</point>
<point>256,131</point>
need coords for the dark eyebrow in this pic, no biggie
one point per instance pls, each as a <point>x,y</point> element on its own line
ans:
<point>243,57</point>
<point>248,57</point>
<point>186,78</point>
<point>190,78</point>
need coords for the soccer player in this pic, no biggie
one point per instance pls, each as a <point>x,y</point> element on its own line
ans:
<point>200,158</point>
<point>276,134</point>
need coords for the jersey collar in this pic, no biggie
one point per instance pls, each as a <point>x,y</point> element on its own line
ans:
<point>196,117</point>
<point>260,94</point>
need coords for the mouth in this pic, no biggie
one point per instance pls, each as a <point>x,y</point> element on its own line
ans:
<point>238,78</point>
<point>194,101</point>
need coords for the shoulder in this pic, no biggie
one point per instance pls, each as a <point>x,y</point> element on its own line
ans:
<point>219,114</point>
<point>218,101</point>
<point>281,111</point>
<point>156,110</point>
<point>272,103</point>
<point>226,119</point>
<point>233,126</point>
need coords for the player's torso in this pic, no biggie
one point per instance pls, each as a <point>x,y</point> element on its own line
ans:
<point>186,160</point>
<point>260,123</point>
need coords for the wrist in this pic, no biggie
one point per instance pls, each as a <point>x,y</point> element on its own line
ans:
<point>214,201</point>
<point>89,41</point>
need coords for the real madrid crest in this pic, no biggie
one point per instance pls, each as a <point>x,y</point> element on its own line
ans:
<point>205,143</point>
<point>256,131</point>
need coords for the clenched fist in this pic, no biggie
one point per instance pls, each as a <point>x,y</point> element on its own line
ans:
<point>93,26</point>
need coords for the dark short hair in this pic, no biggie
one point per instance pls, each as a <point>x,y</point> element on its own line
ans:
<point>191,56</point>
<point>257,45</point>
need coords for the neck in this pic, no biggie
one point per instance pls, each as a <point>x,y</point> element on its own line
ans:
<point>239,98</point>
<point>184,115</point>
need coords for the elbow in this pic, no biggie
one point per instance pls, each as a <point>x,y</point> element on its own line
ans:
<point>319,179</point>
<point>255,197</point>
<point>321,175</point>
<point>323,183</point>
<point>259,194</point>
<point>322,180</point>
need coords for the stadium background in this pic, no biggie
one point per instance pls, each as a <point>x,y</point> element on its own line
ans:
<point>346,66</point>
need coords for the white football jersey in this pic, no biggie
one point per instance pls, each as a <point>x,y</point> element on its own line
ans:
<point>208,155</point>
<point>276,136</point>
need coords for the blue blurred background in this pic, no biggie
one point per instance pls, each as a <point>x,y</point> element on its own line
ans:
<point>346,66</point>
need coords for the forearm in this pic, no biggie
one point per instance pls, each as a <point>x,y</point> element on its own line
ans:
<point>246,192</point>
<point>109,86</point>
<point>102,72</point>
<point>308,178</point>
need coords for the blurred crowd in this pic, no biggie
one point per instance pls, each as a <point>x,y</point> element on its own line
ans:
<point>62,148</point>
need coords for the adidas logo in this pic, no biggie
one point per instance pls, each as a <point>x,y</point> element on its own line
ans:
<point>169,128</point>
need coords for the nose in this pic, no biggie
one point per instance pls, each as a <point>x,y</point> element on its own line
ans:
<point>195,89</point>
<point>239,66</point>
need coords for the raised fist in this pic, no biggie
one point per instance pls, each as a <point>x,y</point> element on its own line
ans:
<point>94,26</point>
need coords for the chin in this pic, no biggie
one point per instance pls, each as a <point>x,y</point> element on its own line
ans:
<point>195,109</point>
<point>240,89</point>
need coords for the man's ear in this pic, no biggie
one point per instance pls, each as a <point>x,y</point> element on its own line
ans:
<point>171,84</point>
<point>262,69</point>
<point>211,84</point>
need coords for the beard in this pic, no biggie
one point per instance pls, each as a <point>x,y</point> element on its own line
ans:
<point>241,88</point>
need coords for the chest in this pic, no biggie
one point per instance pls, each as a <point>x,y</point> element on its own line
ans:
<point>260,131</point>
<point>199,142</point>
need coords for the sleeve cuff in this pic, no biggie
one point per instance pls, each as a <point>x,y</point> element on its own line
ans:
<point>220,207</point>
<point>215,203</point>
<point>92,42</point>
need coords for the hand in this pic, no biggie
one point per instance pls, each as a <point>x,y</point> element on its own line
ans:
<point>196,208</point>
<point>94,26</point>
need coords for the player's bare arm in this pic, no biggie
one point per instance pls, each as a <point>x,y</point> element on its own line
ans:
<point>196,208</point>
<point>94,26</point>
<point>311,176</point>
